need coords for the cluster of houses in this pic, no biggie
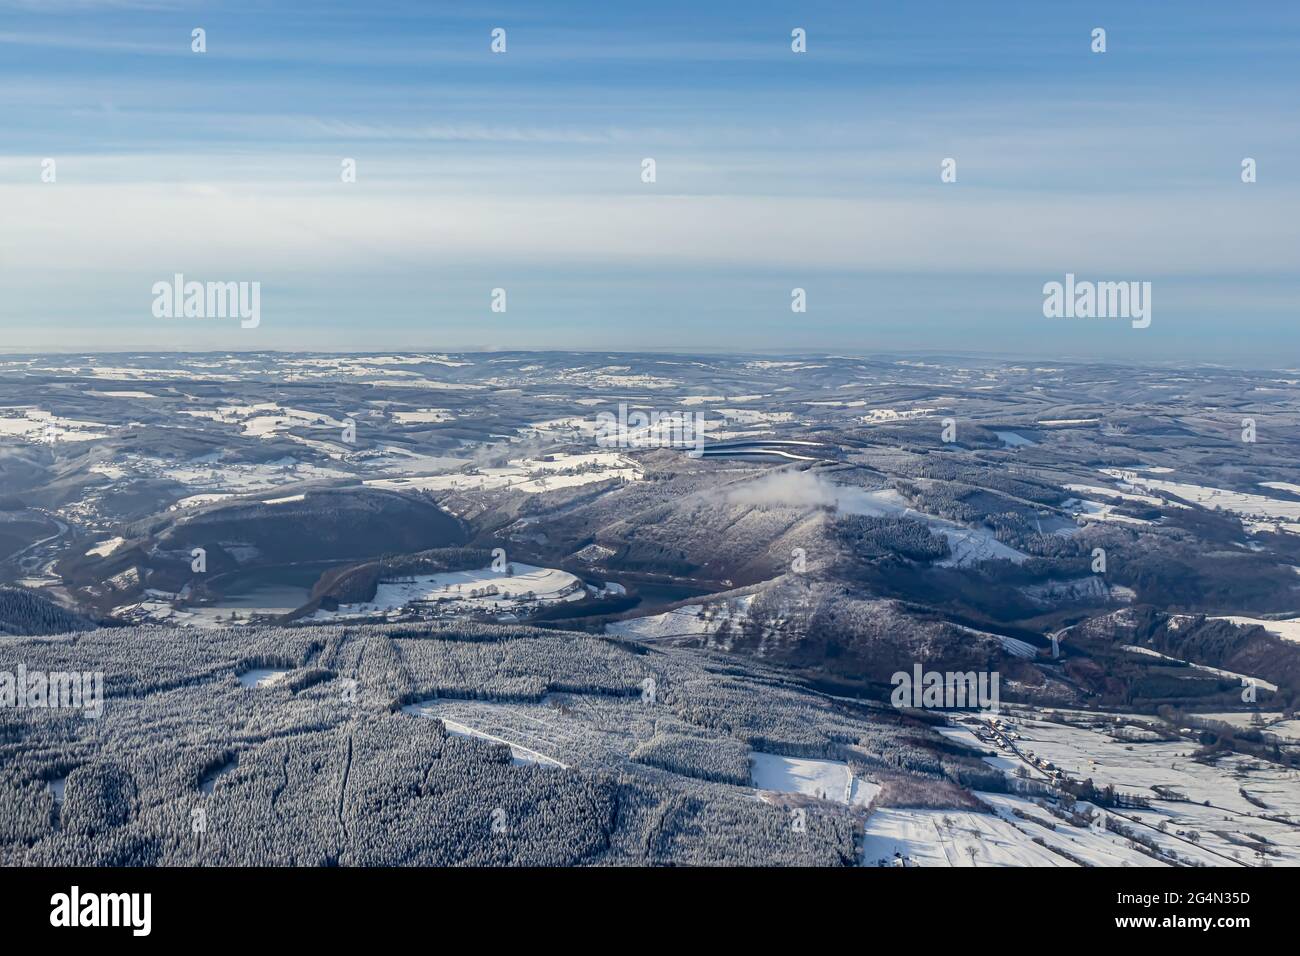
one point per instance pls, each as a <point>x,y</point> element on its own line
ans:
<point>1002,733</point>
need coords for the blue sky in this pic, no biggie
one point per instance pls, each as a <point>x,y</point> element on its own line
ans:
<point>774,171</point>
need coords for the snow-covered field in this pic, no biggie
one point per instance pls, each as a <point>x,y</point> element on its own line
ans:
<point>1076,590</point>
<point>1094,844</point>
<point>1261,513</point>
<point>36,425</point>
<point>972,545</point>
<point>615,376</point>
<point>266,419</point>
<point>237,477</point>
<point>913,837</point>
<point>691,620</point>
<point>531,476</point>
<point>1288,630</point>
<point>402,460</point>
<point>1095,490</point>
<point>750,416</point>
<point>878,415</point>
<point>193,501</point>
<point>482,716</point>
<point>1086,510</point>
<point>1215,825</point>
<point>262,677</point>
<point>1274,723</point>
<point>1217,816</point>
<point>1281,486</point>
<point>213,478</point>
<point>106,548</point>
<point>483,589</point>
<point>183,371</point>
<point>822,779</point>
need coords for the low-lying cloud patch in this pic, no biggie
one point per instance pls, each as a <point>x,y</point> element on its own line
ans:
<point>787,489</point>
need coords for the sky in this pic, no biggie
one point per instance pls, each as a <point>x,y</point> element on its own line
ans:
<point>774,170</point>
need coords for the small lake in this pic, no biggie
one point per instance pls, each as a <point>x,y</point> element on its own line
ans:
<point>656,595</point>
<point>270,591</point>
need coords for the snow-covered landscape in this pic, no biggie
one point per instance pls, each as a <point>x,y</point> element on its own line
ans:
<point>482,589</point>
<point>447,447</point>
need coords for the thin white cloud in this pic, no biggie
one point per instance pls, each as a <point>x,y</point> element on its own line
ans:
<point>244,226</point>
